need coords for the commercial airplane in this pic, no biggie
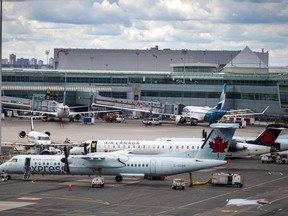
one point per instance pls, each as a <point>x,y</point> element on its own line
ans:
<point>266,142</point>
<point>38,142</point>
<point>121,163</point>
<point>194,113</point>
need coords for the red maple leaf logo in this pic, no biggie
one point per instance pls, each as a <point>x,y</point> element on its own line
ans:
<point>218,146</point>
<point>267,138</point>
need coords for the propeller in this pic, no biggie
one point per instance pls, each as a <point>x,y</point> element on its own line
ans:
<point>85,149</point>
<point>204,134</point>
<point>65,160</point>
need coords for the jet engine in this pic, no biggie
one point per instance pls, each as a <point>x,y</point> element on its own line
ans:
<point>47,132</point>
<point>22,134</point>
<point>234,146</point>
<point>180,119</point>
<point>77,117</point>
<point>44,116</point>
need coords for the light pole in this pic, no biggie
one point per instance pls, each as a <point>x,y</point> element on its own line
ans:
<point>47,53</point>
<point>155,56</point>
<point>137,53</point>
<point>1,78</point>
<point>184,52</point>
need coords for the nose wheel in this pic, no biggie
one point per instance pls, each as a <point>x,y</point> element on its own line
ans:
<point>118,178</point>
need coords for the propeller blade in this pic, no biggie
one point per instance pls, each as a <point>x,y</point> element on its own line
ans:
<point>65,160</point>
<point>85,149</point>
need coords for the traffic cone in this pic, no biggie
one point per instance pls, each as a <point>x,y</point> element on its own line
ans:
<point>69,187</point>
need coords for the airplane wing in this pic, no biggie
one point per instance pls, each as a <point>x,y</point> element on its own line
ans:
<point>94,105</point>
<point>92,112</point>
<point>243,114</point>
<point>103,156</point>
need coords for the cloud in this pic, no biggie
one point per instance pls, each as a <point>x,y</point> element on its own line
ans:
<point>34,26</point>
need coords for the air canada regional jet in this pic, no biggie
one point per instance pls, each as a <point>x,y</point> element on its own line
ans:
<point>123,163</point>
<point>267,141</point>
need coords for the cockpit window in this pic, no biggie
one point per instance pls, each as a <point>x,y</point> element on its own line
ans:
<point>43,138</point>
<point>13,160</point>
<point>185,110</point>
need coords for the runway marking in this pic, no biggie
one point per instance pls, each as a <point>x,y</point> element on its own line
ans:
<point>210,198</point>
<point>29,198</point>
<point>11,205</point>
<point>264,183</point>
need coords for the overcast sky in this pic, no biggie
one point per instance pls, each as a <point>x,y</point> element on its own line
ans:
<point>32,26</point>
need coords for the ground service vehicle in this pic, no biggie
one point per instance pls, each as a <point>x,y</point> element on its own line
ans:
<point>227,179</point>
<point>98,182</point>
<point>178,183</point>
<point>282,159</point>
<point>152,121</point>
<point>275,158</point>
<point>267,159</point>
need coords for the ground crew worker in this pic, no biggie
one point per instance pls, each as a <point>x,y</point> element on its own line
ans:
<point>93,147</point>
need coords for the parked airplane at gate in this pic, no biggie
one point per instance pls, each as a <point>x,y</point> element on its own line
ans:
<point>194,113</point>
<point>240,146</point>
<point>120,163</point>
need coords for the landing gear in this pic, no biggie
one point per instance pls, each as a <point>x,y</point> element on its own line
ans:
<point>193,122</point>
<point>118,178</point>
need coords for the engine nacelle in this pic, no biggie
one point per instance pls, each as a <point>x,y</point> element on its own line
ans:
<point>180,119</point>
<point>240,146</point>
<point>22,134</point>
<point>234,146</point>
<point>44,116</point>
<point>77,117</point>
<point>47,132</point>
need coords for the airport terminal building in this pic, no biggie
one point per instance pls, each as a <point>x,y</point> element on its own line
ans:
<point>188,77</point>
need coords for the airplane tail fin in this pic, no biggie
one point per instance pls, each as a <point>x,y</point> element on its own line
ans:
<point>269,135</point>
<point>218,141</point>
<point>220,104</point>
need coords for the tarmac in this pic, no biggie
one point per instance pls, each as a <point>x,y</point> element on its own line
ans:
<point>264,191</point>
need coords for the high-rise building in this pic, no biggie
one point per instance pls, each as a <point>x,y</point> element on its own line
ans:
<point>12,59</point>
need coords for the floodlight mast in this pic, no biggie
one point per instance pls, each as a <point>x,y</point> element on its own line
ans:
<point>1,77</point>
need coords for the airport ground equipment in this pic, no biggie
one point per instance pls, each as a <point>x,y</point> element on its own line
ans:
<point>178,183</point>
<point>279,158</point>
<point>267,158</point>
<point>227,179</point>
<point>88,120</point>
<point>97,182</point>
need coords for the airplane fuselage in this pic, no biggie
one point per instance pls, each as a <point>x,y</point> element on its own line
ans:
<point>132,165</point>
<point>38,138</point>
<point>62,111</point>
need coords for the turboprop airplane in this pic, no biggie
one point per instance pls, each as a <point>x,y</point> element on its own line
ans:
<point>121,163</point>
<point>240,147</point>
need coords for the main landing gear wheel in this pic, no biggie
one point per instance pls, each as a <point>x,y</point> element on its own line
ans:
<point>118,178</point>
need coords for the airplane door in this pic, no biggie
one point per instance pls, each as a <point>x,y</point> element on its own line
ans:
<point>27,163</point>
<point>153,166</point>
